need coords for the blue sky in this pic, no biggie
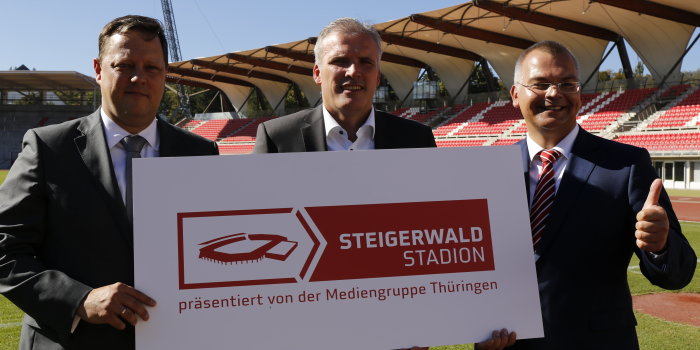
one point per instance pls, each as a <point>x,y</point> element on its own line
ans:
<point>62,35</point>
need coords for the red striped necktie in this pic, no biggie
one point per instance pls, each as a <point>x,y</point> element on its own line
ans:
<point>544,195</point>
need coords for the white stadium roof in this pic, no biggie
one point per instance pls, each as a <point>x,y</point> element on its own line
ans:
<point>451,40</point>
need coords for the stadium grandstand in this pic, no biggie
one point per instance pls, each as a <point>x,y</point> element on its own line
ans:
<point>30,99</point>
<point>431,61</point>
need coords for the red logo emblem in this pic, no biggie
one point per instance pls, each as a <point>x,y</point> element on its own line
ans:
<point>242,247</point>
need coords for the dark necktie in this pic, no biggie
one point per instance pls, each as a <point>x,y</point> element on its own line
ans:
<point>544,195</point>
<point>133,145</point>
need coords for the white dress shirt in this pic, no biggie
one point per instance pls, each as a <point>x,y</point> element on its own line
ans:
<point>564,146</point>
<point>114,133</point>
<point>337,137</point>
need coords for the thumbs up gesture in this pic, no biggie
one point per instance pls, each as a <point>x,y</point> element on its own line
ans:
<point>652,222</point>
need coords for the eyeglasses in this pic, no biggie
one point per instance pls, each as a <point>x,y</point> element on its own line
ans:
<point>568,87</point>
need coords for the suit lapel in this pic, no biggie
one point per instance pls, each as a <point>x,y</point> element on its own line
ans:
<point>577,172</point>
<point>525,156</point>
<point>168,147</point>
<point>381,138</point>
<point>314,133</point>
<point>93,150</point>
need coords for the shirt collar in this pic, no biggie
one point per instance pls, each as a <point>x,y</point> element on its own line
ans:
<point>330,123</point>
<point>115,133</point>
<point>564,146</point>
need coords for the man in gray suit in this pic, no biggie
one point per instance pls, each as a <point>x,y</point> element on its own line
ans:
<point>66,247</point>
<point>347,69</point>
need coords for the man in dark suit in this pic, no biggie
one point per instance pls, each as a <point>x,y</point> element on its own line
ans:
<point>606,205</point>
<point>347,70</point>
<point>66,247</point>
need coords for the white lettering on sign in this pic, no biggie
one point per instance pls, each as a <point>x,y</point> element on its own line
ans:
<point>407,238</point>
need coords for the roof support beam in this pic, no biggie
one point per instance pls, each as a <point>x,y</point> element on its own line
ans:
<point>239,71</point>
<point>546,20</point>
<point>293,54</point>
<point>390,57</point>
<point>400,40</point>
<point>259,62</point>
<point>184,81</point>
<point>402,60</point>
<point>625,60</point>
<point>471,32</point>
<point>208,76</point>
<point>656,10</point>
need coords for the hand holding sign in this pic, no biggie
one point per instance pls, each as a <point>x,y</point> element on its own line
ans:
<point>498,341</point>
<point>115,304</point>
<point>652,222</point>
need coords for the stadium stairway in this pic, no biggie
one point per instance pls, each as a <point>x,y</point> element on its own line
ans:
<point>462,116</point>
<point>478,117</point>
<point>507,134</point>
<point>649,122</point>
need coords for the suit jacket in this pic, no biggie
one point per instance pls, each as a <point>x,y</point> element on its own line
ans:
<point>64,230</point>
<point>304,132</point>
<point>587,245</point>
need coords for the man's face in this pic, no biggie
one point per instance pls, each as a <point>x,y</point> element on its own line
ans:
<point>550,111</point>
<point>348,73</point>
<point>131,75</point>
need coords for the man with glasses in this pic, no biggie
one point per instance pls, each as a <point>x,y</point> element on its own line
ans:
<point>592,203</point>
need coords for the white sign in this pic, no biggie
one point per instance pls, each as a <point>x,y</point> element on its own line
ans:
<point>380,249</point>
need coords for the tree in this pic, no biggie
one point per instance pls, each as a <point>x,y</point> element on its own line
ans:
<point>203,100</point>
<point>295,99</point>
<point>29,98</point>
<point>619,75</point>
<point>76,98</point>
<point>639,70</point>
<point>478,82</point>
<point>168,105</point>
<point>257,105</point>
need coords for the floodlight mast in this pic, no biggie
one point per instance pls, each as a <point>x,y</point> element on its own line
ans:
<point>183,110</point>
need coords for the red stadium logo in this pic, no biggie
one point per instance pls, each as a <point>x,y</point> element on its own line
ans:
<point>246,248</point>
<point>241,248</point>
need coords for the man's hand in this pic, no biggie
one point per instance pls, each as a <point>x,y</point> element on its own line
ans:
<point>652,222</point>
<point>499,340</point>
<point>114,304</point>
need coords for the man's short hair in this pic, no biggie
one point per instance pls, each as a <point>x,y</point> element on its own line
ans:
<point>146,25</point>
<point>348,26</point>
<point>551,47</point>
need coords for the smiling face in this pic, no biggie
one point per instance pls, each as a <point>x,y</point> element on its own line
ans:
<point>131,75</point>
<point>550,114</point>
<point>348,73</point>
